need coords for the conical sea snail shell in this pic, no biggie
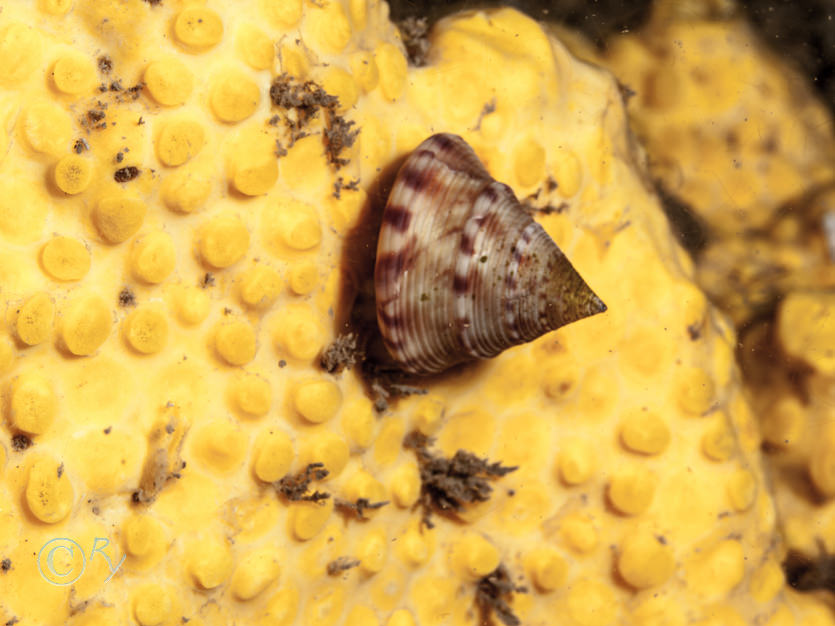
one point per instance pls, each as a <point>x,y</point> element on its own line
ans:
<point>462,271</point>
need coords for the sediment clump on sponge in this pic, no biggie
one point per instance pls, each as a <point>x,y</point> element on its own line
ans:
<point>639,495</point>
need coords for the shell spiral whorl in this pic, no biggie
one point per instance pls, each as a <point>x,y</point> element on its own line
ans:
<point>462,271</point>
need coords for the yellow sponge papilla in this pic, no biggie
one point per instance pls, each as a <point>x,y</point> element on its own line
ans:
<point>172,449</point>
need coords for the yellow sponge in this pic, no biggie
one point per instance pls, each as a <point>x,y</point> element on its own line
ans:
<point>172,450</point>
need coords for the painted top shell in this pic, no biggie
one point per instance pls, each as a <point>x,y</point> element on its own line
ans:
<point>463,271</point>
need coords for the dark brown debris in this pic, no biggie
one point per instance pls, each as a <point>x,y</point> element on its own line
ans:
<point>447,484</point>
<point>492,595</point>
<point>339,135</point>
<point>126,174</point>
<point>414,31</point>
<point>208,280</point>
<point>20,442</point>
<point>13,621</point>
<point>342,354</point>
<point>5,565</point>
<point>487,109</point>
<point>341,564</point>
<point>302,101</point>
<point>105,64</point>
<point>295,487</point>
<point>357,508</point>
<point>306,97</point>
<point>95,118</point>
<point>127,297</point>
<point>80,146</point>
<point>340,184</point>
<point>60,471</point>
<point>153,3</point>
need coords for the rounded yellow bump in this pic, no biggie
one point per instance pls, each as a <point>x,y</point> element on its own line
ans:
<point>327,28</point>
<point>282,13</point>
<point>308,518</point>
<point>47,128</point>
<point>364,485</point>
<point>48,491</point>
<point>151,605</point>
<point>235,342</point>
<point>695,391</point>
<point>153,257</point>
<point>372,551</point>
<point>64,258</point>
<point>140,535</point>
<point>529,162</point>
<point>718,443</point>
<point>179,141</point>
<point>273,456</point>
<point>118,217</point>
<point>303,277</point>
<point>317,401</point>
<point>401,617</point>
<point>20,49</point>
<point>767,581</point>
<point>220,445</point>
<point>260,286</point>
<point>210,562</point>
<point>299,334</point>
<point>282,607</point>
<point>575,462</point>
<point>364,68</point>
<point>742,489</point>
<point>192,305</point>
<point>85,325</point>
<point>578,532</point>
<point>184,191</point>
<point>392,68</point>
<point>568,172</point>
<point>255,48</point>
<point>428,414</point>
<point>224,240</point>
<point>146,330</point>
<point>358,422</point>
<point>33,405</point>
<point>299,227</point>
<point>821,462</point>
<point>591,603</point>
<point>233,96</point>
<point>644,433</point>
<point>73,74</point>
<point>405,485</point>
<point>169,81</point>
<point>72,174</point>
<point>362,615</point>
<point>414,545</point>
<point>631,490</point>
<point>645,560</point>
<point>293,61</point>
<point>329,448</point>
<point>715,571</point>
<point>474,556</point>
<point>547,569</point>
<point>251,394</point>
<point>198,27</point>
<point>256,571</point>
<point>257,176</point>
<point>341,84</point>
<point>806,328</point>
<point>56,7</point>
<point>35,319</point>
